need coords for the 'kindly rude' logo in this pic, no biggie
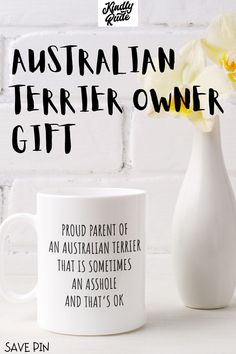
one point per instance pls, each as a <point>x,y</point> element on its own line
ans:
<point>117,13</point>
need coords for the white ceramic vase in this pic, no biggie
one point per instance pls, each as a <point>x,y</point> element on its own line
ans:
<point>204,227</point>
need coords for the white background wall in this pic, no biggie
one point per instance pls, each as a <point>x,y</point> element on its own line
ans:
<point>130,150</point>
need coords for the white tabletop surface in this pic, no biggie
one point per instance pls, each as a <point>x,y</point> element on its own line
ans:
<point>171,328</point>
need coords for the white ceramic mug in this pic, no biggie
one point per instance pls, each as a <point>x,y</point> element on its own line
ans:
<point>91,260</point>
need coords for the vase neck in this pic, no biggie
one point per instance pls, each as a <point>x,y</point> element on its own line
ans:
<point>206,143</point>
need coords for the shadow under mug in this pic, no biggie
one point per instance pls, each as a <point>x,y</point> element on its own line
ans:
<point>91,260</point>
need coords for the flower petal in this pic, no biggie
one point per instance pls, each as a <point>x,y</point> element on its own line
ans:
<point>221,32</point>
<point>211,77</point>
<point>213,52</point>
<point>190,61</point>
<point>205,125</point>
<point>163,82</point>
<point>193,59</point>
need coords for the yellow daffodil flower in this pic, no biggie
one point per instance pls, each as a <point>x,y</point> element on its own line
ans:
<point>190,70</point>
<point>220,44</point>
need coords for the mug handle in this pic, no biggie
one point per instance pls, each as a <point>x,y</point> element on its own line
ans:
<point>8,223</point>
